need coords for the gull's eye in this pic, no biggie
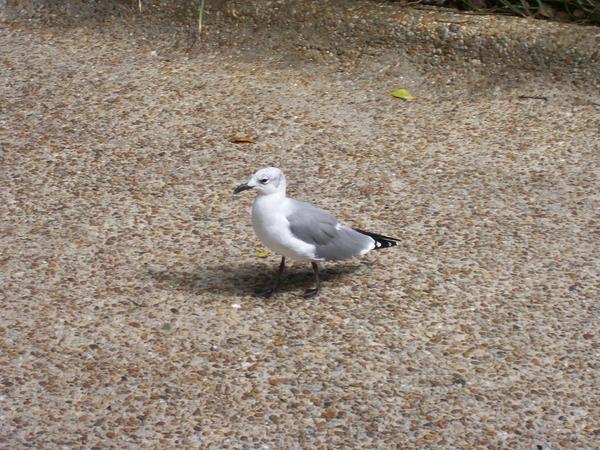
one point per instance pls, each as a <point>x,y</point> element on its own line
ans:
<point>263,180</point>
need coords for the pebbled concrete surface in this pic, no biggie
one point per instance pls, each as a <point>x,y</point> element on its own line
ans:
<point>128,268</point>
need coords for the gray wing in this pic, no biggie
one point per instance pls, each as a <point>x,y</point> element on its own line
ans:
<point>331,239</point>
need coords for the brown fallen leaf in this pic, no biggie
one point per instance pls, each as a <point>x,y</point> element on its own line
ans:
<point>430,436</point>
<point>328,414</point>
<point>241,139</point>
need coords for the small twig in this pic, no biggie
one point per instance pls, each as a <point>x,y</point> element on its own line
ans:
<point>484,13</point>
<point>200,16</point>
<point>453,21</point>
<point>533,97</point>
<point>464,13</point>
<point>136,303</point>
<point>159,303</point>
<point>193,44</point>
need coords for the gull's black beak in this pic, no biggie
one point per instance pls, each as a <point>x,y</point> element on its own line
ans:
<point>241,188</point>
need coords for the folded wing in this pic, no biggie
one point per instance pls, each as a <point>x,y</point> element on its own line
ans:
<point>331,239</point>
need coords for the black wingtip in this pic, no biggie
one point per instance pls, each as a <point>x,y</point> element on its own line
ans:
<point>380,241</point>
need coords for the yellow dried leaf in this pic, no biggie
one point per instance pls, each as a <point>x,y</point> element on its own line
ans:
<point>261,252</point>
<point>403,94</point>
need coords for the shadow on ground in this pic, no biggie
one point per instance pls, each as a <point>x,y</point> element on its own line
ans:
<point>246,279</point>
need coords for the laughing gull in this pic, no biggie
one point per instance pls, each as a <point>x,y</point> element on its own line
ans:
<point>300,230</point>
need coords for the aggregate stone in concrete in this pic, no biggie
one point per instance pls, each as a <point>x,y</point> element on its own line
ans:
<point>128,267</point>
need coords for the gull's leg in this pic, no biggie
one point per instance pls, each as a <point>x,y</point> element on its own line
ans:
<point>310,293</point>
<point>270,291</point>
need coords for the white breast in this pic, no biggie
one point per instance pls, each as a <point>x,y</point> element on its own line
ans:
<point>273,229</point>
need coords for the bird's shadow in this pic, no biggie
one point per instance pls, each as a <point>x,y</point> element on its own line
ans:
<point>247,278</point>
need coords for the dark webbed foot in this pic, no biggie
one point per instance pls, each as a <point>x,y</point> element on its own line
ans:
<point>268,293</point>
<point>310,293</point>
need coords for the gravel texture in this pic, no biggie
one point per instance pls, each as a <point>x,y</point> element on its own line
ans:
<point>128,267</point>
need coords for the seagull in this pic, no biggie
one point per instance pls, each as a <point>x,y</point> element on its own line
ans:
<point>300,230</point>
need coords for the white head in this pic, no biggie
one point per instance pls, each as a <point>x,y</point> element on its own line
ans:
<point>269,180</point>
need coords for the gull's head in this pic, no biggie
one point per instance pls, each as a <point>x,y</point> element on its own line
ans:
<point>269,180</point>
